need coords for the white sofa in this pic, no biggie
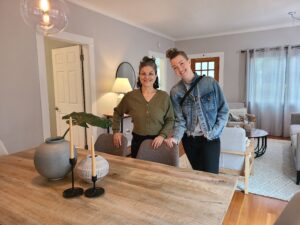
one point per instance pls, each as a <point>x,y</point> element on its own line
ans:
<point>295,141</point>
<point>238,117</point>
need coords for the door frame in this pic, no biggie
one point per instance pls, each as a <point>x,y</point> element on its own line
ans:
<point>221,63</point>
<point>90,86</point>
<point>163,69</point>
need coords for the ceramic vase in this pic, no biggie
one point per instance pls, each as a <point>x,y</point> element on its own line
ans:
<point>84,168</point>
<point>51,158</point>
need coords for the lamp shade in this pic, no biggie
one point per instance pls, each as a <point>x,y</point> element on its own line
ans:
<point>45,16</point>
<point>121,85</point>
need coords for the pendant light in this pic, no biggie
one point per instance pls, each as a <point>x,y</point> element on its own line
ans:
<point>45,16</point>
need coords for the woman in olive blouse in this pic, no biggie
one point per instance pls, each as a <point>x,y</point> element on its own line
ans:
<point>151,110</point>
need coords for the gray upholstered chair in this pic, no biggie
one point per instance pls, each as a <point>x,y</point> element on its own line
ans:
<point>163,154</point>
<point>104,143</point>
<point>290,215</point>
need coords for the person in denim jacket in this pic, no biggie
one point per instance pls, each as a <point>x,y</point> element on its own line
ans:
<point>201,117</point>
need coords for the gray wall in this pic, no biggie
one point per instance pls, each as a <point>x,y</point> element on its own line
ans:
<point>20,108</point>
<point>234,60</point>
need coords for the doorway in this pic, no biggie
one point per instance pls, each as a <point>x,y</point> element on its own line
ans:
<point>89,78</point>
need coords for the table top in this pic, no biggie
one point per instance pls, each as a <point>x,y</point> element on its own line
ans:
<point>136,192</point>
<point>257,133</point>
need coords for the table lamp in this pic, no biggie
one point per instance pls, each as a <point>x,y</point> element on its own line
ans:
<point>121,86</point>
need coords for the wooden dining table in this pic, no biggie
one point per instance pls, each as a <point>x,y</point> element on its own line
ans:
<point>136,192</point>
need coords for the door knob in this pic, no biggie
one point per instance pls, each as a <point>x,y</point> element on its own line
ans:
<point>56,108</point>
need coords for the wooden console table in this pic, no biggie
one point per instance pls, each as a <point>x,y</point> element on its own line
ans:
<point>110,116</point>
<point>136,192</point>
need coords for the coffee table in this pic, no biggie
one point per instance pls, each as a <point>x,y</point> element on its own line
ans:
<point>261,136</point>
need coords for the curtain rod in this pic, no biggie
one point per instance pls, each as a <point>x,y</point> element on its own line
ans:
<point>293,46</point>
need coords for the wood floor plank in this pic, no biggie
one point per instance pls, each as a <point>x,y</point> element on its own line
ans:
<point>253,210</point>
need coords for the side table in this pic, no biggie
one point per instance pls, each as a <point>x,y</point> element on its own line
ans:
<point>261,136</point>
<point>110,116</point>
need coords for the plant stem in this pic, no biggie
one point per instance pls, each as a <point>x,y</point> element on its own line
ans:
<point>66,132</point>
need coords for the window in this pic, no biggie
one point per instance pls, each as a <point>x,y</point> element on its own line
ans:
<point>206,67</point>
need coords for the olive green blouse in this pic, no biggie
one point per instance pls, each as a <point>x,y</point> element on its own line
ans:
<point>155,117</point>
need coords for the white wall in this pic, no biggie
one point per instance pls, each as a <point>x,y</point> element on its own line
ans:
<point>20,108</point>
<point>234,61</point>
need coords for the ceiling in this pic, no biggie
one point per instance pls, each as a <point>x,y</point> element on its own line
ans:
<point>188,19</point>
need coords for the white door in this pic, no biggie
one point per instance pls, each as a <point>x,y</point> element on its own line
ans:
<point>68,89</point>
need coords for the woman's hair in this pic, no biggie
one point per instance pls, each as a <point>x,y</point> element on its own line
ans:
<point>174,52</point>
<point>147,61</point>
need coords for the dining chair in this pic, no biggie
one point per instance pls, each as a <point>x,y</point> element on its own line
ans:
<point>237,154</point>
<point>3,150</point>
<point>104,143</point>
<point>290,215</point>
<point>163,154</point>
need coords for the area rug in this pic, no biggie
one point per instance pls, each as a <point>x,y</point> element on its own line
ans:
<point>274,172</point>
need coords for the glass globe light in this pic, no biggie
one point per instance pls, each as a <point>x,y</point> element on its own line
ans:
<point>45,16</point>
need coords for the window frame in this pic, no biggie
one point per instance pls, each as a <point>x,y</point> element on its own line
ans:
<point>210,55</point>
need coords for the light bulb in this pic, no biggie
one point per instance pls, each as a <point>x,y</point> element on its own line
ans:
<point>46,16</point>
<point>46,19</point>
<point>44,5</point>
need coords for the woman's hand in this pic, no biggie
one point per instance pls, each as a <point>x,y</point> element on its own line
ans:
<point>170,142</point>
<point>157,141</point>
<point>117,139</point>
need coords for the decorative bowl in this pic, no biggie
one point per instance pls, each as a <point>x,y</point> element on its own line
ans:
<point>84,168</point>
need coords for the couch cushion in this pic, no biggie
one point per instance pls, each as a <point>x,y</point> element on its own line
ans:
<point>294,144</point>
<point>294,129</point>
<point>236,105</point>
<point>241,112</point>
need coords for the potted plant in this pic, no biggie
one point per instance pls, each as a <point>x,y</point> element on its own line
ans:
<point>51,158</point>
<point>83,119</point>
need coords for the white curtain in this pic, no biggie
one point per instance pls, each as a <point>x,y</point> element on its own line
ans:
<point>266,79</point>
<point>292,98</point>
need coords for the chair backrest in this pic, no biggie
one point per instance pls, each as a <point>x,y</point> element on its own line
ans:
<point>163,154</point>
<point>104,143</point>
<point>233,139</point>
<point>290,215</point>
<point>3,150</point>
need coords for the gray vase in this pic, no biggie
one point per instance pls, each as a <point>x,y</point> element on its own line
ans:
<point>51,158</point>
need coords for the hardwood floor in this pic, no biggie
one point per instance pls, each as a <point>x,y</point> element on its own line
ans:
<point>253,210</point>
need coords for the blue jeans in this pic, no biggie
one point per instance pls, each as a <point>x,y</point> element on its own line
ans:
<point>203,154</point>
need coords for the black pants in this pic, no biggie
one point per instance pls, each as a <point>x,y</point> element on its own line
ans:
<point>137,141</point>
<point>203,154</point>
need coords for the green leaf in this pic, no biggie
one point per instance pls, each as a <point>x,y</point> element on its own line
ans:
<point>83,119</point>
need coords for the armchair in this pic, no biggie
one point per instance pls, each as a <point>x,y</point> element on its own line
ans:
<point>237,154</point>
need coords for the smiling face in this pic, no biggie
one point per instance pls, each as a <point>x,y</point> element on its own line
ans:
<point>147,76</point>
<point>182,68</point>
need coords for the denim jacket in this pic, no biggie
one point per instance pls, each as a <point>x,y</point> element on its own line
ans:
<point>206,103</point>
